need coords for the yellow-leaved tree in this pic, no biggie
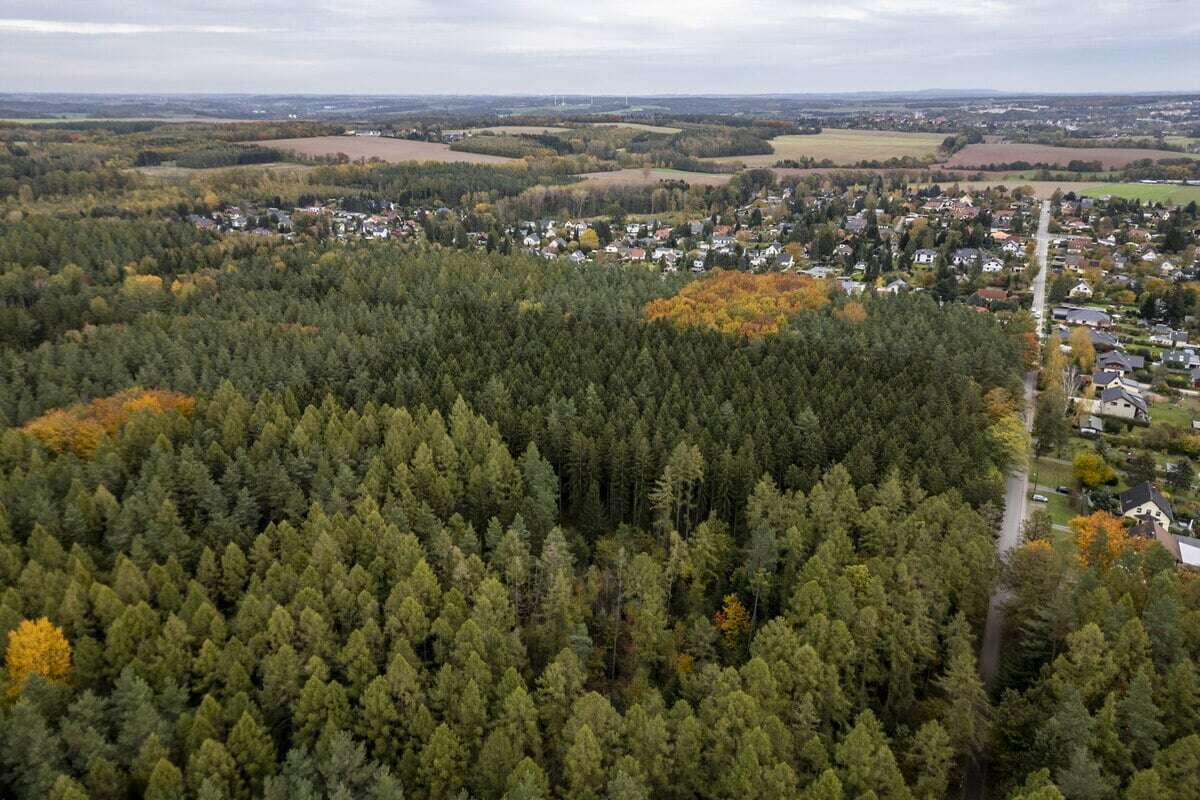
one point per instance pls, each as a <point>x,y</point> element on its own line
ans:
<point>36,647</point>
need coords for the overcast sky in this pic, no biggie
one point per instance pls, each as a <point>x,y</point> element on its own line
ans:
<point>598,46</point>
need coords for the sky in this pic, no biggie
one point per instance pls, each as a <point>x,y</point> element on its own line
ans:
<point>597,46</point>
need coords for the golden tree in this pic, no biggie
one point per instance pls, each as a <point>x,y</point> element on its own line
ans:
<point>36,647</point>
<point>1100,538</point>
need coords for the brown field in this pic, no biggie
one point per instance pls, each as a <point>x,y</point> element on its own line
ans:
<point>652,176</point>
<point>368,147</point>
<point>171,172</point>
<point>638,126</point>
<point>978,155</point>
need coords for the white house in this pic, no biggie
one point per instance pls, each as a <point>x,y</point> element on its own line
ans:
<point>1143,501</point>
<point>1082,289</point>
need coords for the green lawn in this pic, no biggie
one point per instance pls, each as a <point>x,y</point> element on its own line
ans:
<point>1059,506</point>
<point>1173,412</point>
<point>1146,192</point>
<point>1050,473</point>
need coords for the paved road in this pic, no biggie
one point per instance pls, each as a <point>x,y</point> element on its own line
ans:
<point>1014,509</point>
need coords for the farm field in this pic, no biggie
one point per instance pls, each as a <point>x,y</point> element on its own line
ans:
<point>516,129</point>
<point>637,126</point>
<point>1146,192</point>
<point>171,172</point>
<point>638,176</point>
<point>844,146</point>
<point>981,155</point>
<point>394,150</point>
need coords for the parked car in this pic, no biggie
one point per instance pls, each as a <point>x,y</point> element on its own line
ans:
<point>1063,490</point>
<point>1040,498</point>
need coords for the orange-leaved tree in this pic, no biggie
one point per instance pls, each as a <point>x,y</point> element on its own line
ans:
<point>732,621</point>
<point>1100,538</point>
<point>740,303</point>
<point>80,427</point>
<point>36,647</point>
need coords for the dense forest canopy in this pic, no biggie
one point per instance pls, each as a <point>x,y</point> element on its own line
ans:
<point>310,518</point>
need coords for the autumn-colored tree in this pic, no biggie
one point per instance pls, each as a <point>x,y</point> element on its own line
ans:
<point>589,239</point>
<point>740,303</point>
<point>853,311</point>
<point>80,427</point>
<point>36,647</point>
<point>1082,349</point>
<point>732,621</point>
<point>1100,538</point>
<point>1092,470</point>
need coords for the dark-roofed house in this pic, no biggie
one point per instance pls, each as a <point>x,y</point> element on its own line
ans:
<point>1092,317</point>
<point>1120,361</point>
<point>1103,379</point>
<point>1142,501</point>
<point>1119,402</point>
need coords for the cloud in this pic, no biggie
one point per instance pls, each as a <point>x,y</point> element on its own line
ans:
<point>48,26</point>
<point>597,46</point>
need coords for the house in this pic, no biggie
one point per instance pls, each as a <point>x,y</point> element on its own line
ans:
<point>896,287</point>
<point>1107,380</point>
<point>821,273</point>
<point>925,257</point>
<point>1186,550</point>
<point>1092,317</point>
<point>1082,290</point>
<point>993,294</point>
<point>965,257</point>
<point>1119,402</point>
<point>1120,362</point>
<point>578,257</point>
<point>1091,426</point>
<point>993,264</point>
<point>785,261</point>
<point>1180,359</point>
<point>1143,501</point>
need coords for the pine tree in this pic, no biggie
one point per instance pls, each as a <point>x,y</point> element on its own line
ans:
<point>1141,720</point>
<point>443,764</point>
<point>166,782</point>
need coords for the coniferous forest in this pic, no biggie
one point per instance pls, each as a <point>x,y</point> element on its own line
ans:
<point>309,519</point>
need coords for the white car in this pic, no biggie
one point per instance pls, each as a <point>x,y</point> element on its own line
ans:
<point>1039,498</point>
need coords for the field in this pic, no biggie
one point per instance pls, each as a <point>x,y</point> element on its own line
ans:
<point>638,176</point>
<point>1146,192</point>
<point>394,150</point>
<point>637,126</point>
<point>981,155</point>
<point>846,147</point>
<point>171,172</point>
<point>517,129</point>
